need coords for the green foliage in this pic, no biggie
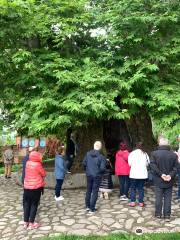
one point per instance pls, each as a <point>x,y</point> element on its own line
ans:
<point>64,63</point>
<point>15,168</point>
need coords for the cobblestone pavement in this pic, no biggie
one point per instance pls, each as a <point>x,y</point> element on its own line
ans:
<point>69,216</point>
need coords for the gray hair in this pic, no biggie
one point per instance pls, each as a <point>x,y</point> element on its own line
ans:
<point>97,145</point>
<point>163,141</point>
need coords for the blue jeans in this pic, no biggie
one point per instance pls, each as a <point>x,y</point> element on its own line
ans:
<point>124,184</point>
<point>93,184</point>
<point>137,184</point>
<point>179,184</point>
<point>58,187</point>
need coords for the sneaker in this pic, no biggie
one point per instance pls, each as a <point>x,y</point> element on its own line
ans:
<point>106,196</point>
<point>121,197</point>
<point>33,226</point>
<point>124,198</point>
<point>141,204</point>
<point>87,209</point>
<point>167,218</point>
<point>91,212</point>
<point>68,172</point>
<point>60,198</point>
<point>158,217</point>
<point>25,225</point>
<point>132,204</point>
<point>101,195</point>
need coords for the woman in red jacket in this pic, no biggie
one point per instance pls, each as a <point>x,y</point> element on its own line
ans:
<point>33,187</point>
<point>122,170</point>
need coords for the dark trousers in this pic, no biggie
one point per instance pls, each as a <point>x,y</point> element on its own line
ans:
<point>163,200</point>
<point>93,184</point>
<point>179,185</point>
<point>70,161</point>
<point>58,187</point>
<point>124,184</point>
<point>31,201</point>
<point>137,184</point>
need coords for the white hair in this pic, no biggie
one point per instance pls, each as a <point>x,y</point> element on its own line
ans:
<point>163,141</point>
<point>97,145</point>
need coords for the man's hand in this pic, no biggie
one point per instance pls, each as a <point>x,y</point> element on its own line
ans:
<point>163,176</point>
<point>168,178</point>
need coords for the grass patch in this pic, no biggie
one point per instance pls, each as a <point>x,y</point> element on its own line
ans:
<point>154,236</point>
<point>48,160</point>
<point>15,168</point>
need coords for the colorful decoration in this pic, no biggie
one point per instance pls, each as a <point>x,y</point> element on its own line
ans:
<point>31,142</point>
<point>25,142</point>
<point>42,142</point>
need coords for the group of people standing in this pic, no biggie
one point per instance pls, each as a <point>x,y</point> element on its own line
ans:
<point>130,167</point>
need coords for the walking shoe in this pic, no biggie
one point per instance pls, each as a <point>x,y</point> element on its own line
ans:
<point>87,209</point>
<point>91,212</point>
<point>132,204</point>
<point>158,217</point>
<point>69,172</point>
<point>33,226</point>
<point>121,197</point>
<point>167,218</point>
<point>106,196</point>
<point>60,198</point>
<point>141,204</point>
<point>101,195</point>
<point>124,198</point>
<point>25,225</point>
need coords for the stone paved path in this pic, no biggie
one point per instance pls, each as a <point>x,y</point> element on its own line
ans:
<point>69,216</point>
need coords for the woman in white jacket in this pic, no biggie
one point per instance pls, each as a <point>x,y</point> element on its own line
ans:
<point>138,161</point>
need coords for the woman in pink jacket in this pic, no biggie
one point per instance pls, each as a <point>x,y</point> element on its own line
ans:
<point>33,187</point>
<point>122,170</point>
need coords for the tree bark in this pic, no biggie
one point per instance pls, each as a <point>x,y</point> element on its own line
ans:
<point>136,129</point>
<point>85,138</point>
<point>140,130</point>
<point>114,132</point>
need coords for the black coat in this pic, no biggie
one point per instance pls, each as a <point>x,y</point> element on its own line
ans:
<point>94,163</point>
<point>163,161</point>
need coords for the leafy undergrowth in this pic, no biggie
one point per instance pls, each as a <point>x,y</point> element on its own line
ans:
<point>158,236</point>
<point>15,168</point>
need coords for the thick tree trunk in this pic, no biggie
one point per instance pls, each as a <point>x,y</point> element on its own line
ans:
<point>140,130</point>
<point>114,132</point>
<point>111,133</point>
<point>85,138</point>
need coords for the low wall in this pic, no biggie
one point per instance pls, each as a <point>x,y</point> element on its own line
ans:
<point>72,181</point>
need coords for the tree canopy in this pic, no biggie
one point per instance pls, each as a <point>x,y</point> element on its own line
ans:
<point>64,63</point>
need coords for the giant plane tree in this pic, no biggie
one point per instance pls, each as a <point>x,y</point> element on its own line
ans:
<point>103,68</point>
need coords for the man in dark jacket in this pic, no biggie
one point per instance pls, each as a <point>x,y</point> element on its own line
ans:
<point>70,152</point>
<point>95,165</point>
<point>164,167</point>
